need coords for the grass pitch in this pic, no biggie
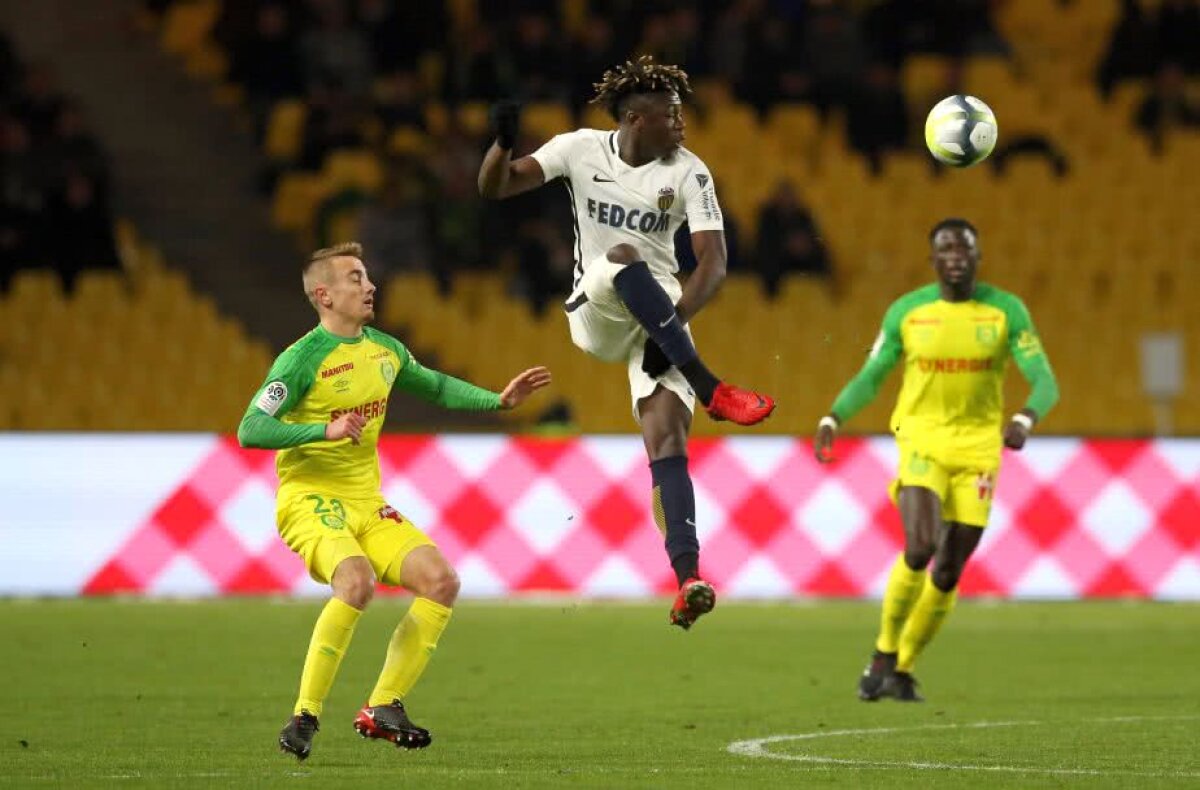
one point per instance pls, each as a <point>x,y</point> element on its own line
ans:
<point>597,695</point>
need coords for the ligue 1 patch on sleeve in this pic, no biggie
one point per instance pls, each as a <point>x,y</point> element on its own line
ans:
<point>272,397</point>
<point>880,339</point>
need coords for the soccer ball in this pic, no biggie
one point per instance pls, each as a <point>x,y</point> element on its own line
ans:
<point>960,131</point>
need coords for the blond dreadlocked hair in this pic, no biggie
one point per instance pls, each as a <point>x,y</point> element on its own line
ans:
<point>640,76</point>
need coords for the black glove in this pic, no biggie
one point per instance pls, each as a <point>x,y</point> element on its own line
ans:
<point>506,122</point>
<point>654,361</point>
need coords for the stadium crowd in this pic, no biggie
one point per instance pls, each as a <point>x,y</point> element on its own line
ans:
<point>54,177</point>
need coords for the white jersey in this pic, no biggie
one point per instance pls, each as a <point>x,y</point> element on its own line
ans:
<point>614,203</point>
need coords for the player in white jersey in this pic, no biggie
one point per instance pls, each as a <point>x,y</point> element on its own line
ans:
<point>630,189</point>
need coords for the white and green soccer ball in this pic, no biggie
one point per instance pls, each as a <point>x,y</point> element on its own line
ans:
<point>960,131</point>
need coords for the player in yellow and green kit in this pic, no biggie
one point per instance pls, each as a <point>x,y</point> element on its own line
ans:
<point>956,337</point>
<point>322,407</point>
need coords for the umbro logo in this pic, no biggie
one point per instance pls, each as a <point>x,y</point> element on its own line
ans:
<point>600,180</point>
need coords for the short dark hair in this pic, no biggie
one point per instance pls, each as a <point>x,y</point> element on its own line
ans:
<point>953,223</point>
<point>634,77</point>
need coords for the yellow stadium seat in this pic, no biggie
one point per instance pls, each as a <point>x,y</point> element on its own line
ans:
<point>597,117</point>
<point>285,130</point>
<point>187,24</point>
<point>206,61</point>
<point>793,125</point>
<point>473,118</point>
<point>35,286</point>
<point>925,79</point>
<point>546,119</point>
<point>296,199</point>
<point>408,141</point>
<point>101,286</point>
<point>352,168</point>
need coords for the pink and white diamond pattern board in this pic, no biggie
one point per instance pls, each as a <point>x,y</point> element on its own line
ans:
<point>193,515</point>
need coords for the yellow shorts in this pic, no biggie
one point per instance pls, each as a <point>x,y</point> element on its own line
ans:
<point>963,481</point>
<point>325,529</point>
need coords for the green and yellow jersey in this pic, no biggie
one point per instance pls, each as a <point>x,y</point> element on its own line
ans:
<point>956,354</point>
<point>323,376</point>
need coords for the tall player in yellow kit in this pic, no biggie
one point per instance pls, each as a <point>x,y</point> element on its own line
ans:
<point>322,407</point>
<point>956,337</point>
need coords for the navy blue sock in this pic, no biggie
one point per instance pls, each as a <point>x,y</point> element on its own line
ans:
<point>653,309</point>
<point>675,514</point>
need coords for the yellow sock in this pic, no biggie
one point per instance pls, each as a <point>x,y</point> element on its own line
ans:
<point>923,624</point>
<point>412,644</point>
<point>331,636</point>
<point>903,587</point>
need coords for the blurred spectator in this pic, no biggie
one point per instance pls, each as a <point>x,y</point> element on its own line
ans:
<point>788,240</point>
<point>591,55</point>
<point>397,227</point>
<point>74,148</point>
<point>10,69</point>
<point>455,166</point>
<point>396,41</point>
<point>740,24</point>
<point>398,100</point>
<point>1167,107</point>
<point>835,51</point>
<point>334,121</point>
<point>82,224</point>
<point>335,51</point>
<point>1179,34</point>
<point>686,255</point>
<point>1131,48</point>
<point>479,71</point>
<point>266,63</point>
<point>40,100</point>
<point>539,59</point>
<point>674,37</point>
<point>25,177</point>
<point>541,276</point>
<point>876,115</point>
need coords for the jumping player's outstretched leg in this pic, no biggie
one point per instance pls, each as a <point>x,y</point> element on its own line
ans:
<point>655,312</point>
<point>665,423</point>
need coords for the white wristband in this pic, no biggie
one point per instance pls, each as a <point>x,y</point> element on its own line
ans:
<point>828,422</point>
<point>1024,419</point>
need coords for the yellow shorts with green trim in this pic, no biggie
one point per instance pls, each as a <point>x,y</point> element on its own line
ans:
<point>963,481</point>
<point>325,529</point>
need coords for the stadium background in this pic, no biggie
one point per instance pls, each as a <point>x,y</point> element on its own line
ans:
<point>167,164</point>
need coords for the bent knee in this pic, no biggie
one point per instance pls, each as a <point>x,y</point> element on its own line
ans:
<point>945,578</point>
<point>441,586</point>
<point>624,254</point>
<point>918,557</point>
<point>355,586</point>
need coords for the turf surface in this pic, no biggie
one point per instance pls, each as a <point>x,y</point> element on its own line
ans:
<point>599,695</point>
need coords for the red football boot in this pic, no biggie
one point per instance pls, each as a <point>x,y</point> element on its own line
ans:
<point>696,597</point>
<point>391,723</point>
<point>738,405</point>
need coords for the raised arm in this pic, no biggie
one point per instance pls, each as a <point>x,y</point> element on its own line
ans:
<point>499,176</point>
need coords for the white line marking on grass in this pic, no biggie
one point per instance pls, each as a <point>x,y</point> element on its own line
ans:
<point>757,747</point>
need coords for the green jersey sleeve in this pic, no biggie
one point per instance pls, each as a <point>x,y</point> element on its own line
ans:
<point>1026,349</point>
<point>888,348</point>
<point>289,379</point>
<point>435,386</point>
